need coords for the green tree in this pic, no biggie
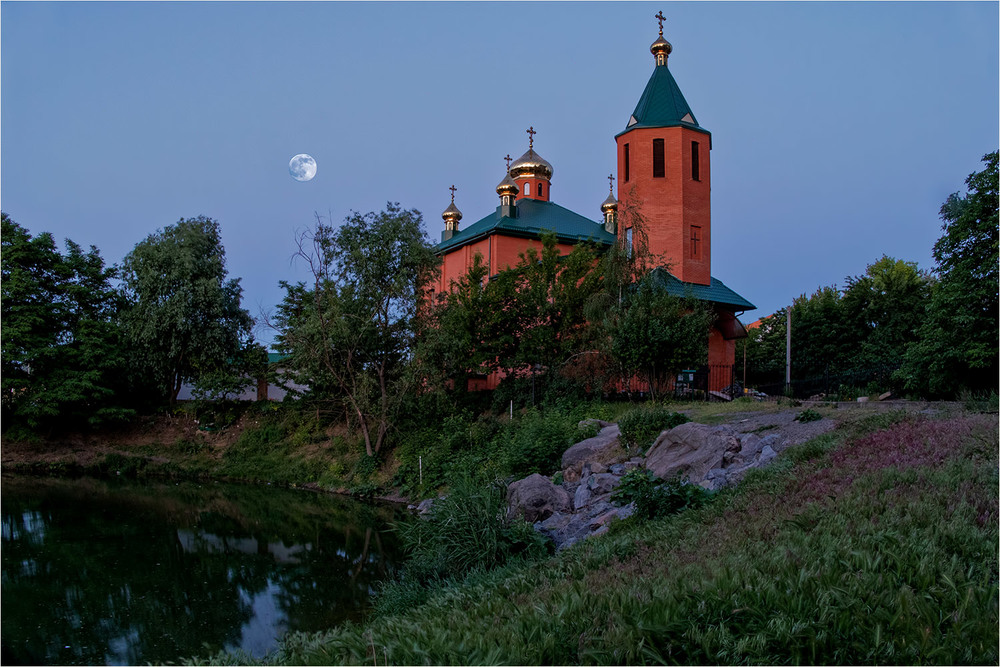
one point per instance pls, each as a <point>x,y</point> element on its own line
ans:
<point>957,340</point>
<point>350,334</point>
<point>654,334</point>
<point>183,317</point>
<point>60,343</point>
<point>884,308</point>
<point>455,340</point>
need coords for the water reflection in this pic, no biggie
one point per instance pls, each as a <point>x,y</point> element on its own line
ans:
<point>124,573</point>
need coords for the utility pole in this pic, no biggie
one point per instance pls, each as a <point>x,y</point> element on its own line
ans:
<point>788,350</point>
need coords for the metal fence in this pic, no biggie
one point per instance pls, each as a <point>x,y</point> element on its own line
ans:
<point>829,384</point>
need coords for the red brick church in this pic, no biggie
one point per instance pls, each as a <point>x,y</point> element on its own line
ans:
<point>664,169</point>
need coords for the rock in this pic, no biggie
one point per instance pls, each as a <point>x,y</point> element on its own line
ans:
<point>424,507</point>
<point>572,474</point>
<point>591,448</point>
<point>692,449</point>
<point>862,399</point>
<point>766,456</point>
<point>581,497</point>
<point>886,396</point>
<point>536,498</point>
<point>622,468</point>
<point>599,423</point>
<point>595,468</point>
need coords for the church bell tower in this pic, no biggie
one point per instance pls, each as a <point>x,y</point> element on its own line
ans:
<point>664,175</point>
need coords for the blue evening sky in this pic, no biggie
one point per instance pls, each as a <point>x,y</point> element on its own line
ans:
<point>838,128</point>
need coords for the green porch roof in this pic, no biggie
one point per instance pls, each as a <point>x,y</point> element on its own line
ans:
<point>662,105</point>
<point>716,292</point>
<point>533,218</point>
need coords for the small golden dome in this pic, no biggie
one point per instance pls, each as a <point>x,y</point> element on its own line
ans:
<point>661,46</point>
<point>610,204</point>
<point>452,213</point>
<point>507,186</point>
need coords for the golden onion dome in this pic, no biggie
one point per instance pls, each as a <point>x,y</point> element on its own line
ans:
<point>661,46</point>
<point>531,164</point>
<point>507,186</point>
<point>610,204</point>
<point>452,213</point>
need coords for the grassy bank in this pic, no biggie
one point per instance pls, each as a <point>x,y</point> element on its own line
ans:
<point>875,543</point>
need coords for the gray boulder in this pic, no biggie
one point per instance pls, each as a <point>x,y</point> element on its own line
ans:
<point>592,448</point>
<point>536,498</point>
<point>693,449</point>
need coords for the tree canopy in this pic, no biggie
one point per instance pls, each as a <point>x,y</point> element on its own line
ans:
<point>350,333</point>
<point>183,317</point>
<point>60,345</point>
<point>957,339</point>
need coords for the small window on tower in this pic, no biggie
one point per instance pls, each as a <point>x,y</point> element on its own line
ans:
<point>628,242</point>
<point>695,167</point>
<point>626,163</point>
<point>695,242</point>
<point>659,170</point>
<point>539,189</point>
<point>527,189</point>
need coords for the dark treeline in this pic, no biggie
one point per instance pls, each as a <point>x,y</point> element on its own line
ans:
<point>901,329</point>
<point>84,343</point>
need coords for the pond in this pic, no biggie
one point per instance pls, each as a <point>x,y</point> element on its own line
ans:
<point>124,572</point>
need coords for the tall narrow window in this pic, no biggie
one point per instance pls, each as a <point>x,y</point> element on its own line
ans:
<point>695,167</point>
<point>695,242</point>
<point>658,168</point>
<point>626,163</point>
<point>539,189</point>
<point>527,189</point>
<point>628,242</point>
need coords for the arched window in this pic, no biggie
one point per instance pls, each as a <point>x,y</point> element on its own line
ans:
<point>539,189</point>
<point>527,189</point>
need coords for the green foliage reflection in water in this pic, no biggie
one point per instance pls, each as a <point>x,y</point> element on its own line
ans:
<point>880,549</point>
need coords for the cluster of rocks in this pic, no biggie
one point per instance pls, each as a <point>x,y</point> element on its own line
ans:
<point>580,506</point>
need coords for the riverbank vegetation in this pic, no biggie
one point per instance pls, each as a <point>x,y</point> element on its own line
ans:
<point>875,543</point>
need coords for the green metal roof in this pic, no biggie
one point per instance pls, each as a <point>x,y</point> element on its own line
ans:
<point>533,218</point>
<point>716,292</point>
<point>662,105</point>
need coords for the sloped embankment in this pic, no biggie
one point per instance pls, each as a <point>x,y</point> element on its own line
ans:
<point>852,548</point>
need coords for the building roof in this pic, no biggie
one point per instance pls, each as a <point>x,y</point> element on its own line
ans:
<point>716,292</point>
<point>533,218</point>
<point>662,105</point>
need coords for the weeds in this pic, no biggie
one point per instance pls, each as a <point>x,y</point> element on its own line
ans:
<point>640,426</point>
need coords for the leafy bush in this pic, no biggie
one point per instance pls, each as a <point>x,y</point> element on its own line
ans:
<point>656,498</point>
<point>808,415</point>
<point>639,427</point>
<point>537,442</point>
<point>467,529</point>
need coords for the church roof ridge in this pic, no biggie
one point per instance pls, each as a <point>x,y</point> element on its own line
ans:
<point>534,218</point>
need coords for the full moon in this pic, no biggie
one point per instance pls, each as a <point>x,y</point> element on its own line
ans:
<point>302,167</point>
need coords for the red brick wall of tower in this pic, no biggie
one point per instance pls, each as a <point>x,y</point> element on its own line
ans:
<point>676,207</point>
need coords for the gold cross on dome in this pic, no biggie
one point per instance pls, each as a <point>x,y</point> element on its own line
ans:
<point>507,158</point>
<point>453,188</point>
<point>611,183</point>
<point>531,136</point>
<point>661,18</point>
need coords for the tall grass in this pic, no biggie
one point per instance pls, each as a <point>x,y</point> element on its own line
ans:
<point>870,547</point>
